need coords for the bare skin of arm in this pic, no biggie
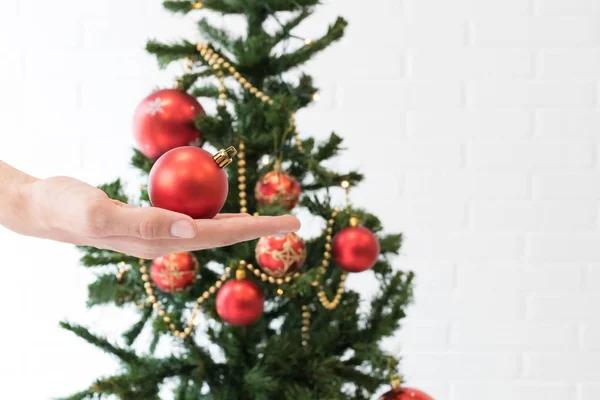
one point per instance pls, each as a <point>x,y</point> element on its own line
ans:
<point>68,210</point>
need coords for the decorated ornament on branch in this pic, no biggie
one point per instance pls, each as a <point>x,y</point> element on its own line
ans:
<point>278,187</point>
<point>165,120</point>
<point>240,302</point>
<point>403,393</point>
<point>175,272</point>
<point>280,256</point>
<point>355,248</point>
<point>191,181</point>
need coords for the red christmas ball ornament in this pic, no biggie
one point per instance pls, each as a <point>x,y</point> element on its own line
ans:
<point>278,187</point>
<point>280,256</point>
<point>404,393</point>
<point>240,302</point>
<point>175,272</point>
<point>165,120</point>
<point>191,181</point>
<point>355,249</point>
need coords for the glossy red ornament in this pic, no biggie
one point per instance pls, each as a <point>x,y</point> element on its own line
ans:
<point>404,393</point>
<point>278,187</point>
<point>280,256</point>
<point>165,120</point>
<point>175,272</point>
<point>188,180</point>
<point>355,249</point>
<point>240,302</point>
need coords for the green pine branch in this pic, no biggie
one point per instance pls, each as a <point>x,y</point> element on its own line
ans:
<point>287,27</point>
<point>390,243</point>
<point>182,7</point>
<point>96,257</point>
<point>107,289</point>
<point>132,333</point>
<point>168,53</point>
<point>387,309</point>
<point>114,190</point>
<point>212,91</point>
<point>305,53</point>
<point>186,81</point>
<point>141,162</point>
<point>83,395</point>
<point>126,356</point>
<point>240,6</point>
<point>217,35</point>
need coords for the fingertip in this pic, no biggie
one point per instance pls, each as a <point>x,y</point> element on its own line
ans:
<point>290,224</point>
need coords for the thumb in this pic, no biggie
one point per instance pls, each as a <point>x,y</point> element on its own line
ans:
<point>149,223</point>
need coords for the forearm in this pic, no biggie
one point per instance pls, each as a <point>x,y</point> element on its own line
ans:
<point>14,186</point>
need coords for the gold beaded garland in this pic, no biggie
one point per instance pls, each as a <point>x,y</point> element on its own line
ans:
<point>296,135</point>
<point>329,304</point>
<point>123,269</point>
<point>219,63</point>
<point>222,90</point>
<point>305,325</point>
<point>266,278</point>
<point>242,177</point>
<point>151,299</point>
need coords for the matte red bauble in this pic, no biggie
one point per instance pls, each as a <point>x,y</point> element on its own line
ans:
<point>280,256</point>
<point>240,302</point>
<point>165,120</point>
<point>175,272</point>
<point>405,394</point>
<point>355,249</point>
<point>277,187</point>
<point>191,181</point>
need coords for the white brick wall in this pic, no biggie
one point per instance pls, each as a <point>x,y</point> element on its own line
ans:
<point>487,111</point>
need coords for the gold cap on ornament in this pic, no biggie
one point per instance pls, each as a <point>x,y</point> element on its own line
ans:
<point>353,221</point>
<point>240,274</point>
<point>225,157</point>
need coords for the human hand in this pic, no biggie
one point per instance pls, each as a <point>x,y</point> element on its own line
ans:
<point>67,210</point>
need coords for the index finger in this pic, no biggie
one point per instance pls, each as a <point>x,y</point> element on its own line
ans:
<point>225,232</point>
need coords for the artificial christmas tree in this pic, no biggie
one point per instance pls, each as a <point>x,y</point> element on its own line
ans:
<point>286,328</point>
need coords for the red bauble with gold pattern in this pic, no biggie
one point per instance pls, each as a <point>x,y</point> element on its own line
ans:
<point>355,249</point>
<point>404,393</point>
<point>191,181</point>
<point>165,120</point>
<point>280,256</point>
<point>175,272</point>
<point>278,187</point>
<point>240,302</point>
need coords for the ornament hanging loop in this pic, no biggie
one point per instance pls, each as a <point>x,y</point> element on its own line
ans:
<point>224,157</point>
